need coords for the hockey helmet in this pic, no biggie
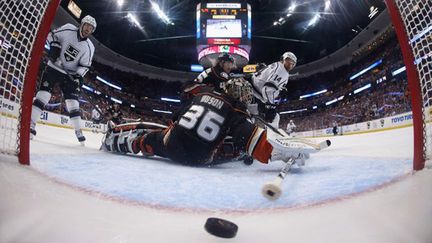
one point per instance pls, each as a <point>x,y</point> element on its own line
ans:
<point>89,20</point>
<point>225,57</point>
<point>239,89</point>
<point>289,55</point>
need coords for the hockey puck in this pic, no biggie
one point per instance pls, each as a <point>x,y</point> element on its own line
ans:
<point>248,160</point>
<point>221,227</point>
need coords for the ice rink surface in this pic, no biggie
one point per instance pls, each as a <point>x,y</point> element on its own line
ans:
<point>361,189</point>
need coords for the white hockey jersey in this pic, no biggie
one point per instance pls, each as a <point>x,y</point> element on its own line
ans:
<point>96,114</point>
<point>269,82</point>
<point>290,127</point>
<point>76,54</point>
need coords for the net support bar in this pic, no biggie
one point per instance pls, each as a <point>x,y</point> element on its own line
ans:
<point>30,82</point>
<point>413,85</point>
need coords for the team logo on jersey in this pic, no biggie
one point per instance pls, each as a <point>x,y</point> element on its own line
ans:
<point>71,53</point>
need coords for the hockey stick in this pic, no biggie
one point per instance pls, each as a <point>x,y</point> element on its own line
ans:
<point>132,120</point>
<point>278,131</point>
<point>71,78</point>
<point>272,190</point>
<point>287,138</point>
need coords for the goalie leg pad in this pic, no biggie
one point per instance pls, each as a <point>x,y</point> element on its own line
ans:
<point>121,142</point>
<point>258,146</point>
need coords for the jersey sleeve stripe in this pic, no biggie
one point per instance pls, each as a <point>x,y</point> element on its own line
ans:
<point>90,53</point>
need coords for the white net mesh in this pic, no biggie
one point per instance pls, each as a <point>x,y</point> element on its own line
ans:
<point>19,23</point>
<point>417,18</point>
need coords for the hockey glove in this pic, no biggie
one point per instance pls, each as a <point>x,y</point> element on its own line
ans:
<point>267,111</point>
<point>78,79</point>
<point>260,66</point>
<point>54,52</point>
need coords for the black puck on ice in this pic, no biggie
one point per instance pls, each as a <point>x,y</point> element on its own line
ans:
<point>248,160</point>
<point>221,227</point>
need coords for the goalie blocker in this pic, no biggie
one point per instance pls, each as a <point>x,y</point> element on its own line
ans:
<point>202,126</point>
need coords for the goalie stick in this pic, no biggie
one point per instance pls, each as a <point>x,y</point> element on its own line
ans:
<point>287,138</point>
<point>276,130</point>
<point>272,190</point>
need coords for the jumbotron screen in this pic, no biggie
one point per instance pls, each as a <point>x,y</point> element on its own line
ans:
<point>223,27</point>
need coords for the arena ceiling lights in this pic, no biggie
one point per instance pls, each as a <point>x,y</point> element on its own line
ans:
<point>314,20</point>
<point>108,83</point>
<point>293,111</point>
<point>134,20</point>
<point>120,3</point>
<point>290,12</point>
<point>313,94</point>
<point>162,111</point>
<point>170,100</point>
<point>160,13</point>
<point>372,66</point>
<point>327,5</point>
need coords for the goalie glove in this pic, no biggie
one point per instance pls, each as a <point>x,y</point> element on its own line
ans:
<point>260,66</point>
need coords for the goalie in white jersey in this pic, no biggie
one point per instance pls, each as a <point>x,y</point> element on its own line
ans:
<point>268,83</point>
<point>70,57</point>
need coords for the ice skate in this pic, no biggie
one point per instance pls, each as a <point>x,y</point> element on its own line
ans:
<point>80,137</point>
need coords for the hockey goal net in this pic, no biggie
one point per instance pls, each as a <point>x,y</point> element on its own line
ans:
<point>24,26</point>
<point>412,20</point>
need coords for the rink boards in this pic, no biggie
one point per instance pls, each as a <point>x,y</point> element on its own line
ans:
<point>382,124</point>
<point>11,109</point>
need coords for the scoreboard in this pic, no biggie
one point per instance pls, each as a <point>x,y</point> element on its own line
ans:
<point>223,27</point>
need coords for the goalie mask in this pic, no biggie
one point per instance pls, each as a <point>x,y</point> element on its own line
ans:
<point>239,89</point>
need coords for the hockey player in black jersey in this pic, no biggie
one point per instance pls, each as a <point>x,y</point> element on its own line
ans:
<point>215,77</point>
<point>203,124</point>
<point>70,57</point>
<point>114,114</point>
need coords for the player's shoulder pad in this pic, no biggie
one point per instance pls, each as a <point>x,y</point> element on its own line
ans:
<point>274,65</point>
<point>69,26</point>
<point>92,48</point>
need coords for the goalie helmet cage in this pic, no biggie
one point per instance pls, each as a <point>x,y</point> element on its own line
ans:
<point>24,26</point>
<point>412,20</point>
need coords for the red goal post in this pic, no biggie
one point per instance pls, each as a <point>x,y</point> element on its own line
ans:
<point>412,20</point>
<point>24,26</point>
